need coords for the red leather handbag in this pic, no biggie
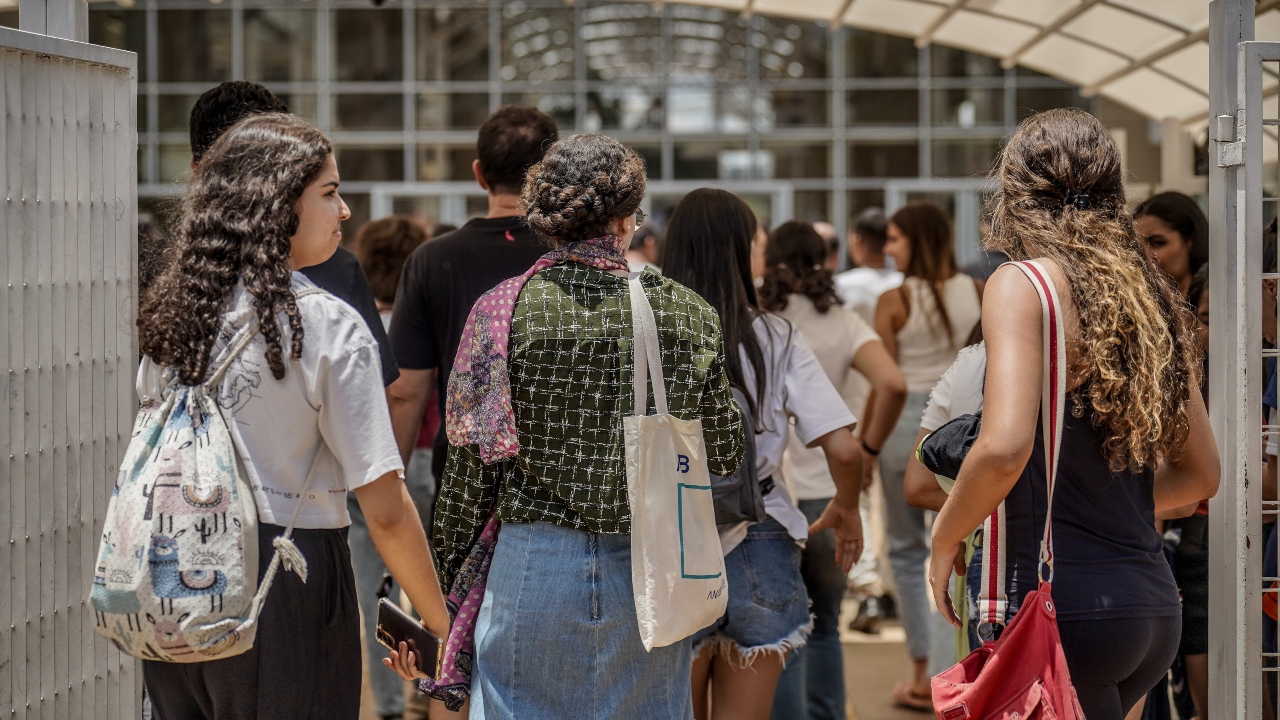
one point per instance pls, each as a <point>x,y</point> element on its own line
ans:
<point>1023,675</point>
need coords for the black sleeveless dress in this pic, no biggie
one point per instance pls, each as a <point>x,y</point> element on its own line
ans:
<point>1108,557</point>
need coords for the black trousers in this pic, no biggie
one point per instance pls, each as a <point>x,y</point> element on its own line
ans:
<point>305,662</point>
<point>1114,663</point>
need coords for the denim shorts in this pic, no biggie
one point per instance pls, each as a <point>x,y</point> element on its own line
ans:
<point>768,607</point>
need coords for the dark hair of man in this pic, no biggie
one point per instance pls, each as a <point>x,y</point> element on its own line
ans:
<point>225,105</point>
<point>708,249</point>
<point>1183,214</point>
<point>794,264</point>
<point>238,217</point>
<point>382,247</point>
<point>873,227</point>
<point>511,141</point>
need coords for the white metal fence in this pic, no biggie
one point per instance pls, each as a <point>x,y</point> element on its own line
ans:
<point>68,157</point>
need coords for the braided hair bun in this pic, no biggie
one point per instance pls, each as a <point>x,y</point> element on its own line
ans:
<point>582,185</point>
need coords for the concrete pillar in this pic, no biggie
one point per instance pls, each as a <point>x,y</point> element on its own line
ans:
<point>67,19</point>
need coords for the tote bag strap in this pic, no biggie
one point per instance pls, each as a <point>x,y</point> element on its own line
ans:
<point>646,351</point>
<point>992,602</point>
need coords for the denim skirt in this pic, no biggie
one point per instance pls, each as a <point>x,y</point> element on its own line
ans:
<point>557,635</point>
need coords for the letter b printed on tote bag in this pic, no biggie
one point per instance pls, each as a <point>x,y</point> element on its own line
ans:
<point>677,566</point>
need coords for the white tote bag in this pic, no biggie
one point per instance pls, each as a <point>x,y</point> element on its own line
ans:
<point>677,567</point>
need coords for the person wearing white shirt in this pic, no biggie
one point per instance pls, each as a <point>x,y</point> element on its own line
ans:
<point>871,277</point>
<point>709,247</point>
<point>798,287</point>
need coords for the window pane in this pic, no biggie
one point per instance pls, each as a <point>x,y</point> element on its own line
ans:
<point>859,200</point>
<point>452,111</point>
<point>794,108</point>
<point>367,44</point>
<point>872,54</point>
<point>622,107</point>
<point>445,162</point>
<point>453,44</point>
<point>950,62</point>
<point>280,45</point>
<point>652,156</point>
<point>359,206</point>
<point>967,107</point>
<point>175,112</point>
<point>968,157</point>
<point>622,41</point>
<point>792,160</point>
<point>303,105</point>
<point>725,108</point>
<point>1034,100</point>
<point>195,45</point>
<point>882,107</point>
<point>537,43</point>
<point>898,158</point>
<point>707,43</point>
<point>9,19</point>
<point>792,49</point>
<point>175,162</point>
<point>368,112</point>
<point>813,205</point>
<point>370,163</point>
<point>142,113</point>
<point>710,160</point>
<point>558,105</point>
<point>124,29</point>
<point>944,200</point>
<point>426,209</point>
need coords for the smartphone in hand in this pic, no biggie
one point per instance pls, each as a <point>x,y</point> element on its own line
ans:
<point>395,626</point>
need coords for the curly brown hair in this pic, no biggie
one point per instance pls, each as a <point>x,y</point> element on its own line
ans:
<point>582,184</point>
<point>382,247</point>
<point>237,220</point>
<point>794,263</point>
<point>1061,196</point>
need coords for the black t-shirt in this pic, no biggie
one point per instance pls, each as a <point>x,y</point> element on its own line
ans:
<point>342,277</point>
<point>441,281</point>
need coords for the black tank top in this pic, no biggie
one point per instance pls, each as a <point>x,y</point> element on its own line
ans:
<point>1108,557</point>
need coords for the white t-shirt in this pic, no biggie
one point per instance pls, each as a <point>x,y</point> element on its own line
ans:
<point>796,388</point>
<point>861,288</point>
<point>835,337</point>
<point>327,417</point>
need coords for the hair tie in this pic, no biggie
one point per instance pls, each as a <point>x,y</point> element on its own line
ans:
<point>1079,199</point>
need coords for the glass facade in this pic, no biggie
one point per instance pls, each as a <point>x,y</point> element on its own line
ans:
<point>806,120</point>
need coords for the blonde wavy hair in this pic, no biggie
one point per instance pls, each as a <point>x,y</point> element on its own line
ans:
<point>1061,196</point>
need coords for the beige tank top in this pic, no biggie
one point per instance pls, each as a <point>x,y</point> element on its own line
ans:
<point>924,349</point>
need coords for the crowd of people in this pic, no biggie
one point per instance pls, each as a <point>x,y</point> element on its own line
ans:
<point>451,381</point>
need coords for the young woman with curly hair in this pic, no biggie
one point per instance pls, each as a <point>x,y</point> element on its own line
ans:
<point>536,401</point>
<point>799,287</point>
<point>1136,438</point>
<point>304,400</point>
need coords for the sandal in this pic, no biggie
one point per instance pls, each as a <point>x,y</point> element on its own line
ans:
<point>904,696</point>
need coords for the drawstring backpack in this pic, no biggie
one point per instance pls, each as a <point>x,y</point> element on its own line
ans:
<point>1024,673</point>
<point>177,571</point>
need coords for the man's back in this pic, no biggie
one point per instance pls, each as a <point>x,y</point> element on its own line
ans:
<point>442,280</point>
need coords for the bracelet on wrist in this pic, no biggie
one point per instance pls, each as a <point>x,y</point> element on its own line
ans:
<point>873,452</point>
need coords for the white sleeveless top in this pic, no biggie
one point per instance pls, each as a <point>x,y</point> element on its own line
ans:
<point>924,349</point>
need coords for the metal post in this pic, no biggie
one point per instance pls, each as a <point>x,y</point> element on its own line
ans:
<point>67,19</point>
<point>1235,674</point>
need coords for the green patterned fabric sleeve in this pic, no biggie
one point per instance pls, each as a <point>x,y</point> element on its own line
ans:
<point>468,495</point>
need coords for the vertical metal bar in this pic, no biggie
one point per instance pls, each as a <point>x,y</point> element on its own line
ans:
<point>31,390</point>
<point>75,536</point>
<point>237,39</point>
<point>152,76</point>
<point>325,59</point>
<point>924,126</point>
<point>14,223</point>
<point>668,145</point>
<point>839,152</point>
<point>1233,690</point>
<point>108,695</point>
<point>94,663</point>
<point>41,72</point>
<point>495,54</point>
<point>409,60</point>
<point>8,556</point>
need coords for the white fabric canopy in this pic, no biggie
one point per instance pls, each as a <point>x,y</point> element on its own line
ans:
<point>1149,55</point>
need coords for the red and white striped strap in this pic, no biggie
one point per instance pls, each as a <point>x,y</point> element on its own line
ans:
<point>992,601</point>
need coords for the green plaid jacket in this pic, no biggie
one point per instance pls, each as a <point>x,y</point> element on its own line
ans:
<point>571,365</point>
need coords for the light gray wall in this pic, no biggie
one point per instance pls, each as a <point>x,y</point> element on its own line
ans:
<point>68,155</point>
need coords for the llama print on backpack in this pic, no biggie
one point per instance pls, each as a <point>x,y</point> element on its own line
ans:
<point>172,583</point>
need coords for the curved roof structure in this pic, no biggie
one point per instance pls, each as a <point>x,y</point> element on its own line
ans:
<point>1150,55</point>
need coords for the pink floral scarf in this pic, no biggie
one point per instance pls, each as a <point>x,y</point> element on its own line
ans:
<point>478,404</point>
